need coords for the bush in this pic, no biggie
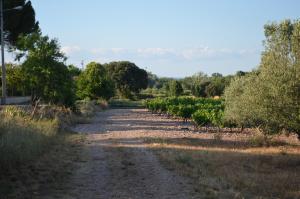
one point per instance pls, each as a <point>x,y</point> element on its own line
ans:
<point>201,118</point>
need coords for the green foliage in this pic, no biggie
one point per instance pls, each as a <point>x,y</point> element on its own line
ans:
<point>202,111</point>
<point>199,90</point>
<point>204,86</point>
<point>15,80</point>
<point>74,71</point>
<point>94,83</point>
<point>269,97</point>
<point>45,72</point>
<point>201,117</point>
<point>18,22</point>
<point>129,79</point>
<point>175,88</point>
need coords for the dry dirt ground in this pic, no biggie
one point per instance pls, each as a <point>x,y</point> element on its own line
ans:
<point>117,164</point>
<point>133,154</point>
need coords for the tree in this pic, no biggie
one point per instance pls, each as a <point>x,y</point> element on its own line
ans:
<point>199,90</point>
<point>44,70</point>
<point>94,83</point>
<point>176,88</point>
<point>129,79</point>
<point>216,75</point>
<point>18,22</point>
<point>269,98</point>
<point>74,71</point>
<point>16,83</point>
<point>240,73</point>
<point>212,90</point>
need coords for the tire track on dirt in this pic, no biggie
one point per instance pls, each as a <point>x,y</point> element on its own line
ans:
<point>116,163</point>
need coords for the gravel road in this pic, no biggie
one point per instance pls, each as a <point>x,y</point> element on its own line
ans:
<point>116,164</point>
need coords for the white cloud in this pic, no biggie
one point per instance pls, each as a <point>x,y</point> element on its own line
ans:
<point>102,51</point>
<point>155,51</point>
<point>171,53</point>
<point>68,50</point>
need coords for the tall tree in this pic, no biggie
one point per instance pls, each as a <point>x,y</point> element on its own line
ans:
<point>270,97</point>
<point>48,77</point>
<point>18,22</point>
<point>94,83</point>
<point>129,79</point>
<point>176,88</point>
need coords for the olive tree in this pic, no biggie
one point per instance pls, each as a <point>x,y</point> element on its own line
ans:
<point>270,97</point>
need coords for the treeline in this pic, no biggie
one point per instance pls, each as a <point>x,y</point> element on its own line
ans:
<point>268,98</point>
<point>198,85</point>
<point>45,76</point>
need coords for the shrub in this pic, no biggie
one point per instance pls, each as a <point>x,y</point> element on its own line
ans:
<point>201,118</point>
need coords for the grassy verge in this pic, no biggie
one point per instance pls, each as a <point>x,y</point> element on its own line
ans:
<point>37,148</point>
<point>226,169</point>
<point>47,172</point>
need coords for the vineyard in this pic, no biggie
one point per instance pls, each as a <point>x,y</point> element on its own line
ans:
<point>202,111</point>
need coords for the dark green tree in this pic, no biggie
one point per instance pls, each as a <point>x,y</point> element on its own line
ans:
<point>199,90</point>
<point>74,71</point>
<point>129,79</point>
<point>16,83</point>
<point>240,73</point>
<point>176,88</point>
<point>18,22</point>
<point>94,83</point>
<point>47,76</point>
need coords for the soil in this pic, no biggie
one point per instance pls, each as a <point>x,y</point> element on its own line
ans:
<point>116,162</point>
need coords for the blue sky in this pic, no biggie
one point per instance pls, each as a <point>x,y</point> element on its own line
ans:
<point>167,37</point>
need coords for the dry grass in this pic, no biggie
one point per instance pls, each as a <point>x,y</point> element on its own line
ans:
<point>227,169</point>
<point>49,171</point>
<point>23,139</point>
<point>35,149</point>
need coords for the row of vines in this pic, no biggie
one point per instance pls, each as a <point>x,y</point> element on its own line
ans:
<point>202,111</point>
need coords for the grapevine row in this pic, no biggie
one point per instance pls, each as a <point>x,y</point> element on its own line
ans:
<point>202,111</point>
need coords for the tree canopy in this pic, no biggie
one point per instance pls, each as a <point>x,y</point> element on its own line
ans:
<point>18,22</point>
<point>44,69</point>
<point>269,98</point>
<point>175,88</point>
<point>129,79</point>
<point>94,83</point>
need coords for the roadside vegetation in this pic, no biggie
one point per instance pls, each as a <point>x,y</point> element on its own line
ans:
<point>31,140</point>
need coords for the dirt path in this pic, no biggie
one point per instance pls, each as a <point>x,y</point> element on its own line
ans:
<point>117,164</point>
